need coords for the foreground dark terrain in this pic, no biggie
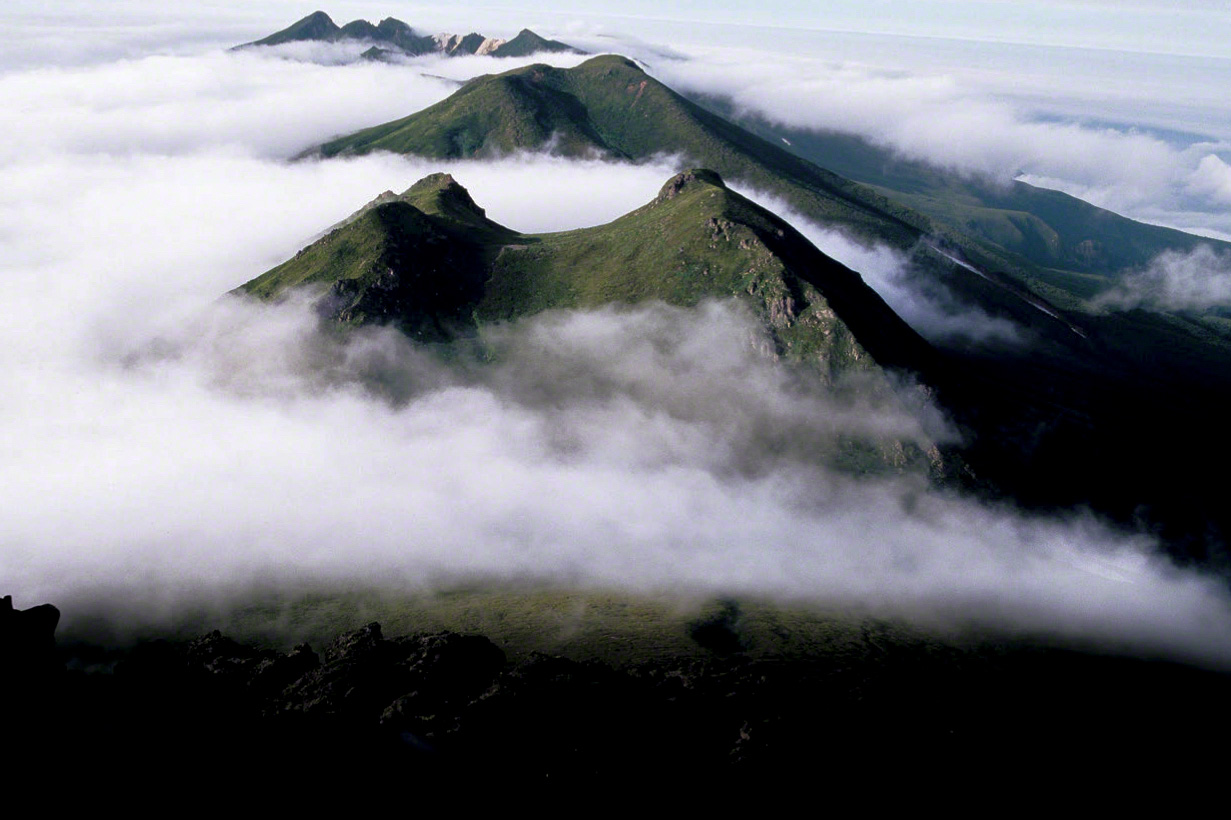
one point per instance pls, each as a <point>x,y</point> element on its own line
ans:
<point>429,704</point>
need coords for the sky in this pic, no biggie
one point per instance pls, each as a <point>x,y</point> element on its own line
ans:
<point>162,442</point>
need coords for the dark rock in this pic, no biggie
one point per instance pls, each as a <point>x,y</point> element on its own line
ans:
<point>720,633</point>
<point>27,643</point>
<point>272,675</point>
<point>450,667</point>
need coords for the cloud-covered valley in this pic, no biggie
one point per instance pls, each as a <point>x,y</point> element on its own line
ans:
<point>1194,281</point>
<point>161,441</point>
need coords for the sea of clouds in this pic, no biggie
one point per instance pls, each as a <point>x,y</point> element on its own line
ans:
<point>162,442</point>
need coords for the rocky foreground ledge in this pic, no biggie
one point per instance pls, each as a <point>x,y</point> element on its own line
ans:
<point>431,704</point>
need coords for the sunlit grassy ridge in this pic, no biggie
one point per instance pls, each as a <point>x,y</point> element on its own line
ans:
<point>431,256</point>
<point>430,263</point>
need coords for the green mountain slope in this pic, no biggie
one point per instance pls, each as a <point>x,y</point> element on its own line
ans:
<point>969,237</point>
<point>429,262</point>
<point>610,105</point>
<point>417,261</point>
<point>429,259</point>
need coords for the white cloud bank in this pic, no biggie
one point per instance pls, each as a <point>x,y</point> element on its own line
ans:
<point>1197,280</point>
<point>159,442</point>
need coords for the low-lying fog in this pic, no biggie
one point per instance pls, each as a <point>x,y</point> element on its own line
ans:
<point>161,443</point>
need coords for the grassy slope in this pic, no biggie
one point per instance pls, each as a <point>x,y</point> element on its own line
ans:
<point>417,261</point>
<point>613,627</point>
<point>696,240</point>
<point>608,104</point>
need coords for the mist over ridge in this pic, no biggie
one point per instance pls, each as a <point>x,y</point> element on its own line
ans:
<point>139,407</point>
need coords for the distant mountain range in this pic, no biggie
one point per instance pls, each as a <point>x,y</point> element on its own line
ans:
<point>391,38</point>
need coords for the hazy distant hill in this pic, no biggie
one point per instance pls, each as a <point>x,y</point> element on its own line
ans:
<point>395,37</point>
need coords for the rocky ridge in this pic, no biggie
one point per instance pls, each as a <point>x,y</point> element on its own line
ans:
<point>392,38</point>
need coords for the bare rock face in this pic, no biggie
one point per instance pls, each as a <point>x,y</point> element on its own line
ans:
<point>31,673</point>
<point>366,676</point>
<point>677,183</point>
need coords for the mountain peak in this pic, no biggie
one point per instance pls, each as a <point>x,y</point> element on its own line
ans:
<point>611,61</point>
<point>316,26</point>
<point>692,177</point>
<point>437,180</point>
<point>443,195</point>
<point>527,42</point>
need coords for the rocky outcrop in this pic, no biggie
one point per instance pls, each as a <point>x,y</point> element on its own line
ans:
<point>672,188</point>
<point>432,703</point>
<point>27,645</point>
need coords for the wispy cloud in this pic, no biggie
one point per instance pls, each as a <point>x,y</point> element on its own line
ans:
<point>922,300</point>
<point>1197,280</point>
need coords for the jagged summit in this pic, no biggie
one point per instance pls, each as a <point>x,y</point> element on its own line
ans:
<point>441,194</point>
<point>429,260</point>
<point>678,182</point>
<point>316,26</point>
<point>394,37</point>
